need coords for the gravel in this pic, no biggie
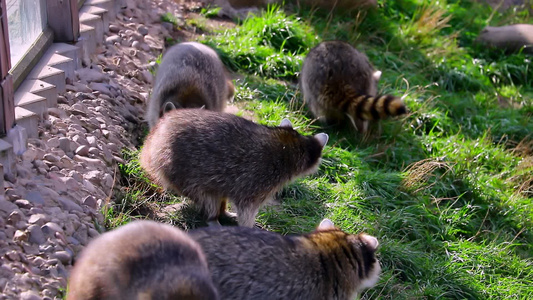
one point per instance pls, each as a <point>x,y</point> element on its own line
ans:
<point>52,207</point>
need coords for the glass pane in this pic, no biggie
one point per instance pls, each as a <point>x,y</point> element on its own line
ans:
<point>26,20</point>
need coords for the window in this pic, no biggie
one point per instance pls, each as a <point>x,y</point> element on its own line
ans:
<point>26,21</point>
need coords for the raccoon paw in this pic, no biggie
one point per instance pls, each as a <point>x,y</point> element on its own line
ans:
<point>212,223</point>
<point>228,218</point>
<point>229,214</point>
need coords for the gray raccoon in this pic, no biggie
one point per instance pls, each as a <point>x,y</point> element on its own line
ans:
<point>142,260</point>
<point>338,83</point>
<point>214,157</point>
<point>191,75</point>
<point>327,264</point>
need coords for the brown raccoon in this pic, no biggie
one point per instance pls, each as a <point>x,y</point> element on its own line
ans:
<point>142,260</point>
<point>190,75</point>
<point>338,83</point>
<point>214,157</point>
<point>249,263</point>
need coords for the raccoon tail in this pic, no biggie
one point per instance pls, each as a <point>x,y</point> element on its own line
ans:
<point>367,107</point>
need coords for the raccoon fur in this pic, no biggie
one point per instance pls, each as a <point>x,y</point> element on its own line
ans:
<point>327,264</point>
<point>191,75</point>
<point>214,157</point>
<point>339,83</point>
<point>142,260</point>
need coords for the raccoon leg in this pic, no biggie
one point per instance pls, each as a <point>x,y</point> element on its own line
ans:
<point>246,214</point>
<point>223,210</point>
<point>211,208</point>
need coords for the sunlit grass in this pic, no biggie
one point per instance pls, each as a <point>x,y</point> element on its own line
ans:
<point>447,190</point>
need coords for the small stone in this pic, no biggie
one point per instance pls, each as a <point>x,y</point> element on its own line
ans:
<point>34,197</point>
<point>91,140</point>
<point>80,140</point>
<point>53,142</point>
<point>113,39</point>
<point>21,225</point>
<point>90,161</point>
<point>23,203</point>
<point>68,204</point>
<point>108,180</point>
<point>9,231</point>
<point>57,112</point>
<point>29,295</point>
<point>76,176</point>
<point>82,235</point>
<point>147,76</point>
<point>91,75</point>
<point>82,150</point>
<point>90,201</point>
<point>39,163</point>
<point>29,155</point>
<point>31,249</point>
<point>50,157</point>
<point>64,144</point>
<point>7,206</point>
<point>38,219</point>
<point>72,241</point>
<point>101,87</point>
<point>70,183</point>
<point>15,217</point>
<point>11,195</point>
<point>24,170</point>
<point>145,47</point>
<point>89,186</point>
<point>94,151</point>
<point>36,235</point>
<point>143,30</point>
<point>93,233</point>
<point>63,256</point>
<point>51,228</point>
<point>20,236</point>
<point>114,28</point>
<point>13,255</point>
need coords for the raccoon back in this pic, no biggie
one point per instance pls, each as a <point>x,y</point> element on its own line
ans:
<point>249,263</point>
<point>194,150</point>
<point>141,259</point>
<point>191,75</point>
<point>336,80</point>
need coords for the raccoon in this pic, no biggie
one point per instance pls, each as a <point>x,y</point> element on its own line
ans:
<point>338,83</point>
<point>327,264</point>
<point>190,75</point>
<point>214,157</point>
<point>142,260</point>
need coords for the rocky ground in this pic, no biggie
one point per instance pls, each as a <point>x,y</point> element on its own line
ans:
<point>51,208</point>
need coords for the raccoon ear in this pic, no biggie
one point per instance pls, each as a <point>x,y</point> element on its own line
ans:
<point>377,75</point>
<point>322,138</point>
<point>369,240</point>
<point>285,123</point>
<point>326,224</point>
<point>168,106</point>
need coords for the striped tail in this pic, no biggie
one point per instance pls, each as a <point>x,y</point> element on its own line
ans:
<point>366,107</point>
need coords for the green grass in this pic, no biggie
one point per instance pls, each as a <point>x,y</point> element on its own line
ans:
<point>447,190</point>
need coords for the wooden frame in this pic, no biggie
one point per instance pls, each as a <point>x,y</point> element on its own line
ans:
<point>7,101</point>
